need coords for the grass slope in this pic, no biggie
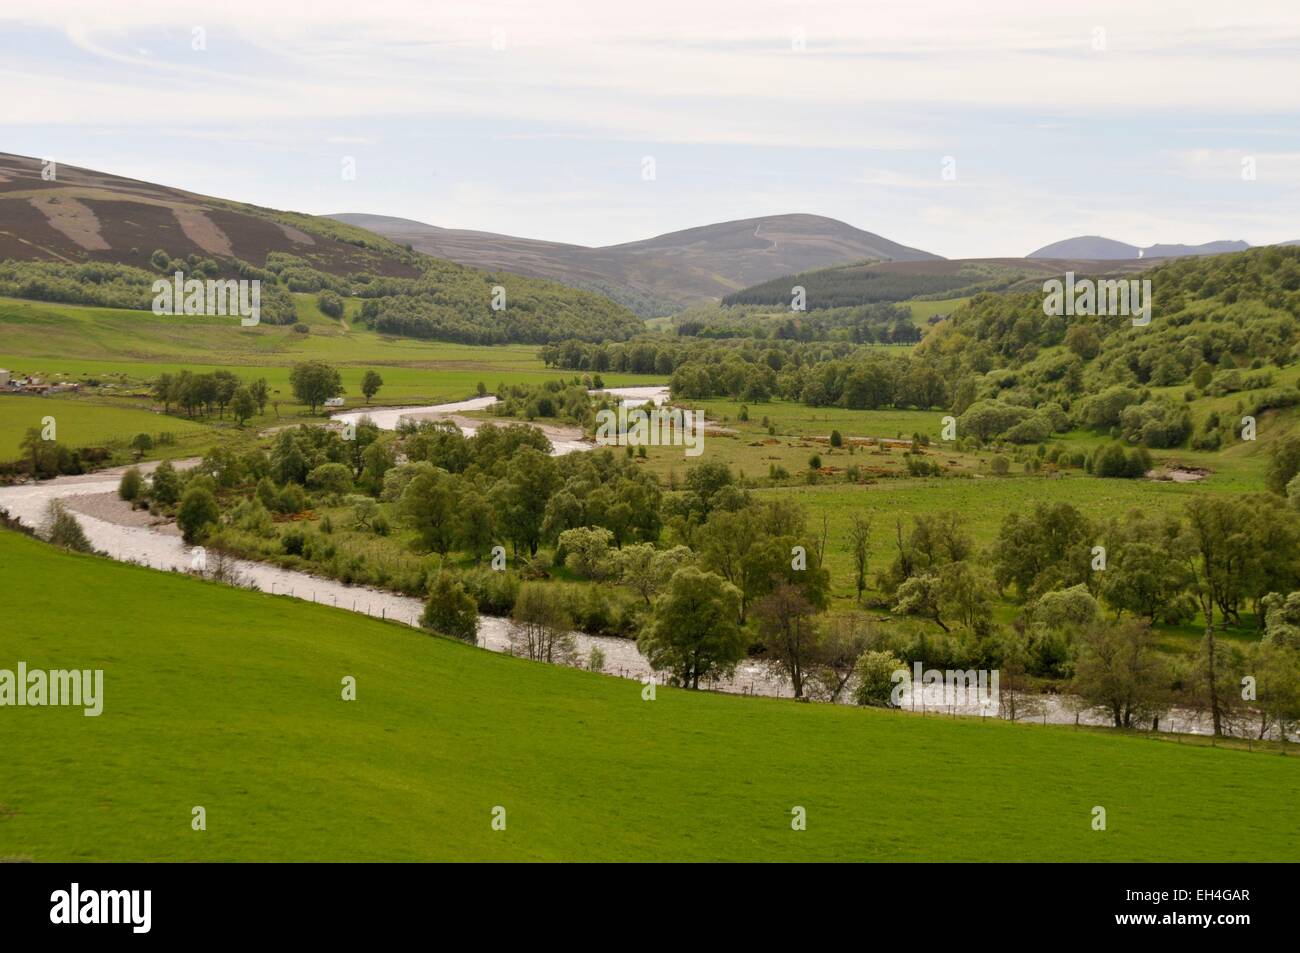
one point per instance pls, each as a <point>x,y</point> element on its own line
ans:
<point>81,423</point>
<point>230,700</point>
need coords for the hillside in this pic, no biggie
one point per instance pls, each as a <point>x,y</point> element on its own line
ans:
<point>87,216</point>
<point>1222,325</point>
<point>90,238</point>
<point>1096,248</point>
<point>883,282</point>
<point>212,695</point>
<point>663,274</point>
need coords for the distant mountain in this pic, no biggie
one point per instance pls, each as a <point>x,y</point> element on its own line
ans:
<point>659,275</point>
<point>1087,247</point>
<point>842,286</point>
<point>1185,251</point>
<point>70,214</point>
<point>1096,248</point>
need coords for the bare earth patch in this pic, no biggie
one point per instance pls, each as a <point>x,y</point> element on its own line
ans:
<point>202,231</point>
<point>73,219</point>
<point>296,234</point>
<point>1178,474</point>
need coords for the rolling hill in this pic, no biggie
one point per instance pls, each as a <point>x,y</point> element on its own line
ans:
<point>1096,248</point>
<point>663,274</point>
<point>892,281</point>
<point>81,215</point>
<point>84,237</point>
<point>230,700</point>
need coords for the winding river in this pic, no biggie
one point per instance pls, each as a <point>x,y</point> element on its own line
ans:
<point>129,535</point>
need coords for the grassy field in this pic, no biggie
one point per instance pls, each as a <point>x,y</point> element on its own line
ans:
<point>231,700</point>
<point>56,341</point>
<point>80,423</point>
<point>118,352</point>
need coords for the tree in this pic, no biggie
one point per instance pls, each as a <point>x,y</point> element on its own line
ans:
<point>1046,549</point>
<point>315,382</point>
<point>224,385</point>
<point>542,624</point>
<point>333,478</point>
<point>875,671</point>
<point>785,626</point>
<point>859,546</point>
<point>1147,570</point>
<point>261,393</point>
<point>694,631</point>
<point>141,443</point>
<point>587,549</point>
<point>1283,463</point>
<point>330,303</point>
<point>37,449</point>
<point>1120,671</point>
<point>523,496</point>
<point>198,514</point>
<point>429,506</point>
<point>165,484</point>
<point>646,570</point>
<point>62,529</point>
<point>476,531</point>
<point>842,641</point>
<point>130,486</point>
<point>955,591</point>
<point>1277,668</point>
<point>1215,539</point>
<point>370,384</point>
<point>451,610</point>
<point>243,404</point>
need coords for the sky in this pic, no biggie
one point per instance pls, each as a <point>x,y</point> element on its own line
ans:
<point>968,129</point>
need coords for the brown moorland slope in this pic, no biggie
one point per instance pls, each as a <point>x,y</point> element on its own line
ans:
<point>81,215</point>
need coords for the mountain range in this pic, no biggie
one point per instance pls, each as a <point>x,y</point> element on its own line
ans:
<point>74,215</point>
<point>1096,248</point>
<point>659,275</point>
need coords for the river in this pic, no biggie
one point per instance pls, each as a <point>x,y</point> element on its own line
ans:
<point>128,535</point>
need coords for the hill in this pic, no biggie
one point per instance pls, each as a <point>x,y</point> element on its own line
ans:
<point>663,274</point>
<point>212,695</point>
<point>1222,325</point>
<point>1096,248</point>
<point>81,215</point>
<point>894,281</point>
<point>86,237</point>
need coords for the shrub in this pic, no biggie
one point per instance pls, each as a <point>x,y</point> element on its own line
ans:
<point>294,541</point>
<point>64,530</point>
<point>330,303</point>
<point>131,485</point>
<point>331,478</point>
<point>291,499</point>
<point>198,514</point>
<point>875,673</point>
<point>451,610</point>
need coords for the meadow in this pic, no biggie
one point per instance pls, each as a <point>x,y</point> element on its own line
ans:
<point>82,423</point>
<point>68,341</point>
<point>231,700</point>
<point>117,352</point>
